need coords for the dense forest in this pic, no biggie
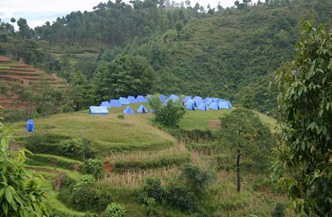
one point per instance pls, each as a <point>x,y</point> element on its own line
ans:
<point>187,49</point>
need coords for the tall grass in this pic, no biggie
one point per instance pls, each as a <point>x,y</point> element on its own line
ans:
<point>136,179</point>
<point>147,155</point>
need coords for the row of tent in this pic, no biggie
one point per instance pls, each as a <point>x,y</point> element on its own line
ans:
<point>195,103</point>
<point>123,101</point>
<point>103,110</point>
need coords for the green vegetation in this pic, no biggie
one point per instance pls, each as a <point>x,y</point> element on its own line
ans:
<point>168,115</point>
<point>305,91</point>
<point>115,210</point>
<point>20,193</point>
<point>243,131</point>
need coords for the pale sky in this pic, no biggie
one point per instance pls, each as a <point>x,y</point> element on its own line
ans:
<point>37,12</point>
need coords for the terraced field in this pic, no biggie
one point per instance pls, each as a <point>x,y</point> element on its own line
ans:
<point>18,74</point>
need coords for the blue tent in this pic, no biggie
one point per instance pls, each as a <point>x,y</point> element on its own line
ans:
<point>198,101</point>
<point>141,98</point>
<point>214,99</point>
<point>115,103</point>
<point>123,101</point>
<point>142,109</point>
<point>173,97</point>
<point>98,110</point>
<point>190,105</point>
<point>186,98</point>
<point>30,126</point>
<point>162,98</point>
<point>131,99</point>
<point>106,104</point>
<point>128,111</point>
<point>229,104</point>
<point>208,101</point>
<point>203,107</point>
<point>223,105</point>
<point>197,98</point>
<point>221,100</point>
<point>214,106</point>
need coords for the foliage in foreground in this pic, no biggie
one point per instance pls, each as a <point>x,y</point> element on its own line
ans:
<point>305,106</point>
<point>167,115</point>
<point>20,193</point>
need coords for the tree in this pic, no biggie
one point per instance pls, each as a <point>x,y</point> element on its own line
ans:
<point>125,75</point>
<point>168,115</point>
<point>244,133</point>
<point>305,107</point>
<point>24,29</point>
<point>20,193</point>
<point>246,97</point>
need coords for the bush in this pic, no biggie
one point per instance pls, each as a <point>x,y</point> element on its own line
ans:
<point>151,189</point>
<point>168,115</point>
<point>195,179</point>
<point>121,116</point>
<point>279,210</point>
<point>85,196</point>
<point>150,207</point>
<point>93,167</point>
<point>181,197</point>
<point>71,147</point>
<point>115,210</point>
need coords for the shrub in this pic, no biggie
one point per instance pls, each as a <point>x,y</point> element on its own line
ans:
<point>279,210</point>
<point>121,116</point>
<point>85,196</point>
<point>151,189</point>
<point>93,167</point>
<point>168,115</point>
<point>195,179</point>
<point>150,207</point>
<point>71,147</point>
<point>181,197</point>
<point>115,210</point>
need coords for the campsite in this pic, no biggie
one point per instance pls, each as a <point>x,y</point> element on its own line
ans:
<point>162,108</point>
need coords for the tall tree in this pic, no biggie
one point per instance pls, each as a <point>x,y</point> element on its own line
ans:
<point>24,29</point>
<point>244,133</point>
<point>305,106</point>
<point>125,75</point>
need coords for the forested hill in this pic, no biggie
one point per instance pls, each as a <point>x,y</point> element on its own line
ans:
<point>181,48</point>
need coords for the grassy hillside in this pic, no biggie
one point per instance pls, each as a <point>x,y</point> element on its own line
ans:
<point>140,150</point>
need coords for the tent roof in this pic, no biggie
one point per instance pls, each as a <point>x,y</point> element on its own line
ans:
<point>162,98</point>
<point>142,109</point>
<point>190,105</point>
<point>115,103</point>
<point>203,107</point>
<point>131,99</point>
<point>128,111</point>
<point>30,121</point>
<point>123,101</point>
<point>106,104</point>
<point>98,110</point>
<point>140,98</point>
<point>214,106</point>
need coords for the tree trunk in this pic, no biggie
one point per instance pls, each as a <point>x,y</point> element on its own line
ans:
<point>238,176</point>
